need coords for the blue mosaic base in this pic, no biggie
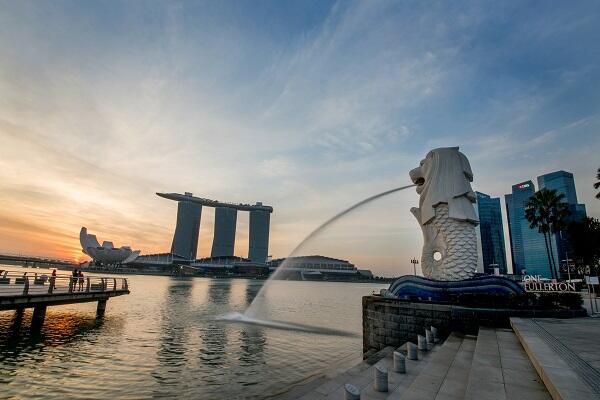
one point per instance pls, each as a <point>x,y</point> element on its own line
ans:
<point>412,287</point>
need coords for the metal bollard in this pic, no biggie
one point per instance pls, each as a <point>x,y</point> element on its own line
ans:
<point>428,336</point>
<point>399,363</point>
<point>434,332</point>
<point>380,384</point>
<point>351,392</point>
<point>411,351</point>
<point>421,343</point>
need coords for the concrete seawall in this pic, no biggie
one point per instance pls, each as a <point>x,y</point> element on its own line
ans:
<point>392,322</point>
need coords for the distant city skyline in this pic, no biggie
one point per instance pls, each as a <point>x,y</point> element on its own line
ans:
<point>526,246</point>
<point>305,106</point>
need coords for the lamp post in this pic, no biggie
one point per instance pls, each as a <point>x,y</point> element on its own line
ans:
<point>414,262</point>
<point>568,263</point>
<point>493,267</point>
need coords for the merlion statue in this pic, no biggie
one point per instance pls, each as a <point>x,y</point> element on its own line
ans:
<point>446,214</point>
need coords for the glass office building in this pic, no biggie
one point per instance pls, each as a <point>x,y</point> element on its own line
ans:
<point>564,183</point>
<point>527,246</point>
<point>491,233</point>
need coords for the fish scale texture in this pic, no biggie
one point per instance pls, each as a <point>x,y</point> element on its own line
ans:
<point>457,243</point>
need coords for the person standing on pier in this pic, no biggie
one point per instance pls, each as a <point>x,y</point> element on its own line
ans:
<point>74,278</point>
<point>80,278</point>
<point>53,279</point>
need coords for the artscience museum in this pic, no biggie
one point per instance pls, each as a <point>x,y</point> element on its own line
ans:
<point>105,253</point>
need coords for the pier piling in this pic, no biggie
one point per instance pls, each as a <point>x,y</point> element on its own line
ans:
<point>101,308</point>
<point>39,314</point>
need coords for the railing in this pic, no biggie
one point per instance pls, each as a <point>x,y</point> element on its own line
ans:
<point>16,283</point>
<point>37,259</point>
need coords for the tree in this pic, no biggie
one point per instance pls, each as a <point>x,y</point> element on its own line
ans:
<point>597,184</point>
<point>546,211</point>
<point>584,237</point>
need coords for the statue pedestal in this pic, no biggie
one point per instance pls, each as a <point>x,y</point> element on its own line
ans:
<point>417,288</point>
<point>413,305</point>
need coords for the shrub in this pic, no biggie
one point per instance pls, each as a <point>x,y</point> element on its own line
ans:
<point>572,301</point>
<point>544,301</point>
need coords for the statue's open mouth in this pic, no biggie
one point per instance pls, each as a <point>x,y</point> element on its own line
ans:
<point>419,181</point>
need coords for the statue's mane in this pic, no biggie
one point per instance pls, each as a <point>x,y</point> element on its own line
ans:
<point>448,178</point>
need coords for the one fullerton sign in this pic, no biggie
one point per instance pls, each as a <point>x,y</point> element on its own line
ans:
<point>533,283</point>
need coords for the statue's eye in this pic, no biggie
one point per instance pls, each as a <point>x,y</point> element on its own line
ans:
<point>422,162</point>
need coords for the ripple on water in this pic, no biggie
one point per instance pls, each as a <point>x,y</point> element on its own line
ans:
<point>162,342</point>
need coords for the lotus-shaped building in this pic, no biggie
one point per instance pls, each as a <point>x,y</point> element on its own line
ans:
<point>105,253</point>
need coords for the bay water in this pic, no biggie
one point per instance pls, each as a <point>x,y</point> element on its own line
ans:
<point>162,341</point>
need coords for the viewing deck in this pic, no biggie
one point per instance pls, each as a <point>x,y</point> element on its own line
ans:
<point>216,203</point>
<point>20,290</point>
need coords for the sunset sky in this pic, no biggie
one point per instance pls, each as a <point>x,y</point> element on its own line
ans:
<point>306,106</point>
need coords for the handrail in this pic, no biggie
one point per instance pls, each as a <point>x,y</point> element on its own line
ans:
<point>18,283</point>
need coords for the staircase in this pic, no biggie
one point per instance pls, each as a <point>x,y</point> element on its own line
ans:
<point>489,366</point>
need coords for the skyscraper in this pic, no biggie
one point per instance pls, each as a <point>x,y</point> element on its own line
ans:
<point>564,183</point>
<point>259,236</point>
<point>224,235</point>
<point>189,210</point>
<point>491,233</point>
<point>185,239</point>
<point>527,245</point>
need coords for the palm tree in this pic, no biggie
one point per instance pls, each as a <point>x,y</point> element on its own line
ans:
<point>597,184</point>
<point>546,211</point>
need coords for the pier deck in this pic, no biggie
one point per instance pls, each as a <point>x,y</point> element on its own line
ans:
<point>20,290</point>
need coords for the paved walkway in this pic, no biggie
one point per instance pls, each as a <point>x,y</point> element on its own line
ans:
<point>565,352</point>
<point>501,369</point>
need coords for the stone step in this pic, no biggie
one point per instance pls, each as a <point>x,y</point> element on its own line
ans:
<point>441,374</point>
<point>500,369</point>
<point>457,377</point>
<point>361,376</point>
<point>565,353</point>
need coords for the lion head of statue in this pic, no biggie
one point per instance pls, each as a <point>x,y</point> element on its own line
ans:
<point>445,176</point>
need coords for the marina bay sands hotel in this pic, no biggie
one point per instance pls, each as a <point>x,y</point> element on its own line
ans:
<point>189,211</point>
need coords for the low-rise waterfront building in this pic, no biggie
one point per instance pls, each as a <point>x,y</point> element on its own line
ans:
<point>316,267</point>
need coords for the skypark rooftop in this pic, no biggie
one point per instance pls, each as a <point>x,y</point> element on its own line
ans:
<point>215,203</point>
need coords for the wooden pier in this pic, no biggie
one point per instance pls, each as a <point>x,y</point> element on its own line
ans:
<point>20,290</point>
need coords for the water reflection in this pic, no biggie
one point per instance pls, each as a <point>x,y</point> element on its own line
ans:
<point>219,291</point>
<point>252,338</point>
<point>252,345</point>
<point>60,329</point>
<point>213,335</point>
<point>252,289</point>
<point>174,335</point>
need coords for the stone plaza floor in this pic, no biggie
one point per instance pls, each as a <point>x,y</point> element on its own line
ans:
<point>565,353</point>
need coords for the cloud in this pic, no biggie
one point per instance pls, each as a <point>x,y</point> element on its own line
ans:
<point>103,105</point>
